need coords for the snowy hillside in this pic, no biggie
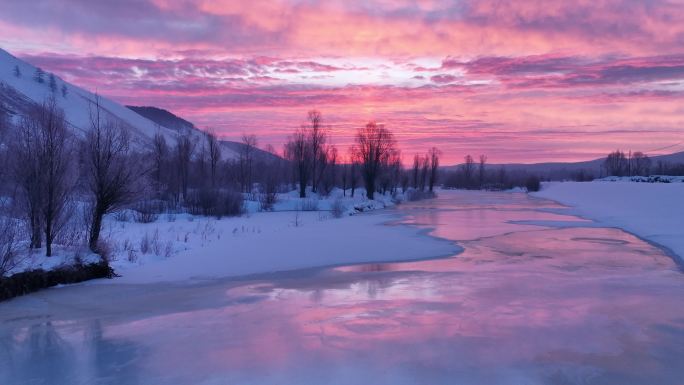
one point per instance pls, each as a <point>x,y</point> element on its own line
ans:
<point>19,88</point>
<point>162,117</point>
<point>77,101</point>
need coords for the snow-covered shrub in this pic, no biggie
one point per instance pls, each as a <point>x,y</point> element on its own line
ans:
<point>337,208</point>
<point>230,204</point>
<point>168,249</point>
<point>74,232</point>
<point>145,244</point>
<point>105,249</point>
<point>121,216</point>
<point>267,200</point>
<point>127,245</point>
<point>156,244</point>
<point>214,202</point>
<point>202,202</point>
<point>145,212</point>
<point>132,255</point>
<point>308,204</point>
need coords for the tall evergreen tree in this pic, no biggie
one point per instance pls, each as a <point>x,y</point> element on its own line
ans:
<point>39,76</point>
<point>53,83</point>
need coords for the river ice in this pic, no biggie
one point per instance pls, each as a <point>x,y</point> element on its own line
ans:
<point>523,303</point>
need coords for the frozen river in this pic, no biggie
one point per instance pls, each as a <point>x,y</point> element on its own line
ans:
<point>535,298</point>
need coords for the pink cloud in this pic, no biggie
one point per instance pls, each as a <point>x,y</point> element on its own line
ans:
<point>523,80</point>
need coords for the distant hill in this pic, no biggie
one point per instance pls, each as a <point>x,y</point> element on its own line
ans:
<point>163,117</point>
<point>560,170</point>
<point>170,120</point>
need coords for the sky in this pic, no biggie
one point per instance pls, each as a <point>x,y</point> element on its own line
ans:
<point>520,81</point>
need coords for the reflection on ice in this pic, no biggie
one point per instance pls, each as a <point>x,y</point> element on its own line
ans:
<point>522,304</point>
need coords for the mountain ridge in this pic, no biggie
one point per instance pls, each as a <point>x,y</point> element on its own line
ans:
<point>23,84</point>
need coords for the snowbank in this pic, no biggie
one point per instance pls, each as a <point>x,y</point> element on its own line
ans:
<point>203,248</point>
<point>644,179</point>
<point>314,202</point>
<point>653,211</point>
<point>63,257</point>
<point>298,233</point>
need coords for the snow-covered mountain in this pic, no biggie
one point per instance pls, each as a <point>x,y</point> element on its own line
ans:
<point>22,84</point>
<point>163,117</point>
<point>170,120</point>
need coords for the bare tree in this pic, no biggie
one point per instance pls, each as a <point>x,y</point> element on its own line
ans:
<point>5,135</point>
<point>330,177</point>
<point>271,175</point>
<point>404,181</point>
<point>44,171</point>
<point>344,178</point>
<point>160,153</point>
<point>642,163</point>
<point>58,176</point>
<point>112,178</point>
<point>201,163</point>
<point>416,169</point>
<point>297,151</point>
<point>424,168</point>
<point>317,139</point>
<point>214,150</point>
<point>185,148</point>
<point>249,145</point>
<point>616,163</point>
<point>483,162</point>
<point>374,143</point>
<point>28,173</point>
<point>396,170</point>
<point>354,177</point>
<point>353,170</point>
<point>434,154</point>
<point>468,168</point>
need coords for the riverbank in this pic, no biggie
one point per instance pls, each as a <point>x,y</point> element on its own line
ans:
<point>270,242</point>
<point>297,234</point>
<point>653,211</point>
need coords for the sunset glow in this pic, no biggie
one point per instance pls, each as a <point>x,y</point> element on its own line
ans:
<point>521,81</point>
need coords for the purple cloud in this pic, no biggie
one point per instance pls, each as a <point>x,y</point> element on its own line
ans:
<point>443,78</point>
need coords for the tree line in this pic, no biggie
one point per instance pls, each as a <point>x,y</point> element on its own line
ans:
<point>373,161</point>
<point>58,183</point>
<point>632,164</point>
<point>475,174</point>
